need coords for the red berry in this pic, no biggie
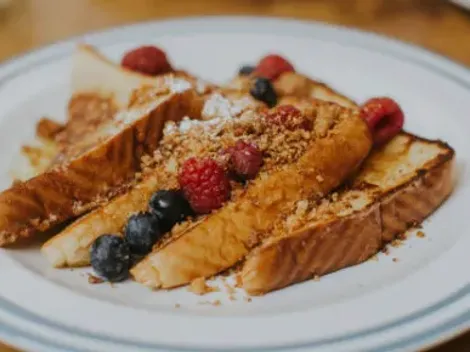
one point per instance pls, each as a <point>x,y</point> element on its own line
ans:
<point>246,159</point>
<point>204,184</point>
<point>384,117</point>
<point>272,66</point>
<point>290,117</point>
<point>148,60</point>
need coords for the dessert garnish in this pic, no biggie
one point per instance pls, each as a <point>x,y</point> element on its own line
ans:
<point>141,232</point>
<point>384,117</point>
<point>246,70</point>
<point>290,117</point>
<point>110,257</point>
<point>205,184</point>
<point>148,60</point>
<point>272,66</point>
<point>170,207</point>
<point>263,90</point>
<point>245,159</point>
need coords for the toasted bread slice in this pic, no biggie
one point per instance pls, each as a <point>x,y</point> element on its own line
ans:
<point>99,89</point>
<point>95,74</point>
<point>70,247</point>
<point>226,236</point>
<point>93,169</point>
<point>293,85</point>
<point>398,186</point>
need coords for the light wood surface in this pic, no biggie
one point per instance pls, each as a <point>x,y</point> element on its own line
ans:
<point>434,24</point>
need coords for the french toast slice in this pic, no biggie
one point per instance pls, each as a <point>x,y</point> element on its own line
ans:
<point>292,85</point>
<point>224,237</point>
<point>71,246</point>
<point>91,170</point>
<point>95,74</point>
<point>398,186</point>
<point>99,89</point>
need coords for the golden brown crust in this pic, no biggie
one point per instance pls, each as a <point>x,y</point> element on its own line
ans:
<point>86,179</point>
<point>199,139</point>
<point>321,247</point>
<point>71,246</point>
<point>293,86</point>
<point>48,129</point>
<point>226,236</point>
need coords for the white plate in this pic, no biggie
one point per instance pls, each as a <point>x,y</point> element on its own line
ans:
<point>463,3</point>
<point>378,306</point>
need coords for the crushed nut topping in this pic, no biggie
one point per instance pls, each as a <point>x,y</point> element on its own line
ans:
<point>211,137</point>
<point>199,287</point>
<point>420,234</point>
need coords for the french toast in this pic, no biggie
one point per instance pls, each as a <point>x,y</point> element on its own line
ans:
<point>340,142</point>
<point>292,85</point>
<point>284,226</point>
<point>71,246</point>
<point>398,186</point>
<point>99,88</point>
<point>90,171</point>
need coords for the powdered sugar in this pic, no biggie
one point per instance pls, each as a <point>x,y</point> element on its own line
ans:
<point>177,85</point>
<point>217,111</point>
<point>201,86</point>
<point>219,106</point>
<point>204,126</point>
<point>130,115</point>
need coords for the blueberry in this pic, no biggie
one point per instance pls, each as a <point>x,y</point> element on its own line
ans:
<point>171,207</point>
<point>110,257</point>
<point>263,90</point>
<point>141,232</point>
<point>246,70</point>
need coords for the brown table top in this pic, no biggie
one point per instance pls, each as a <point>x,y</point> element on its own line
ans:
<point>434,24</point>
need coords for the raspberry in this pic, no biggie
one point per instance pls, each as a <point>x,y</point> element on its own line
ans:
<point>384,117</point>
<point>289,117</point>
<point>272,66</point>
<point>148,60</point>
<point>205,184</point>
<point>245,159</point>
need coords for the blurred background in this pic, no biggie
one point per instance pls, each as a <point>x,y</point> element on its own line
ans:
<point>436,24</point>
<point>440,25</point>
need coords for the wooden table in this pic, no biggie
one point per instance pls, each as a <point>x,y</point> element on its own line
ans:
<point>434,24</point>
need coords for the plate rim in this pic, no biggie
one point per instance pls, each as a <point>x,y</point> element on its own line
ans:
<point>21,61</point>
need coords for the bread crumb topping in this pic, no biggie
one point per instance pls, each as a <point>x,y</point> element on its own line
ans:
<point>199,287</point>
<point>420,234</point>
<point>218,106</point>
<point>209,138</point>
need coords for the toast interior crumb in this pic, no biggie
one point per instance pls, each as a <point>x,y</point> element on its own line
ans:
<point>420,234</point>
<point>93,280</point>
<point>200,287</point>
<point>229,288</point>
<point>396,243</point>
<point>238,281</point>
